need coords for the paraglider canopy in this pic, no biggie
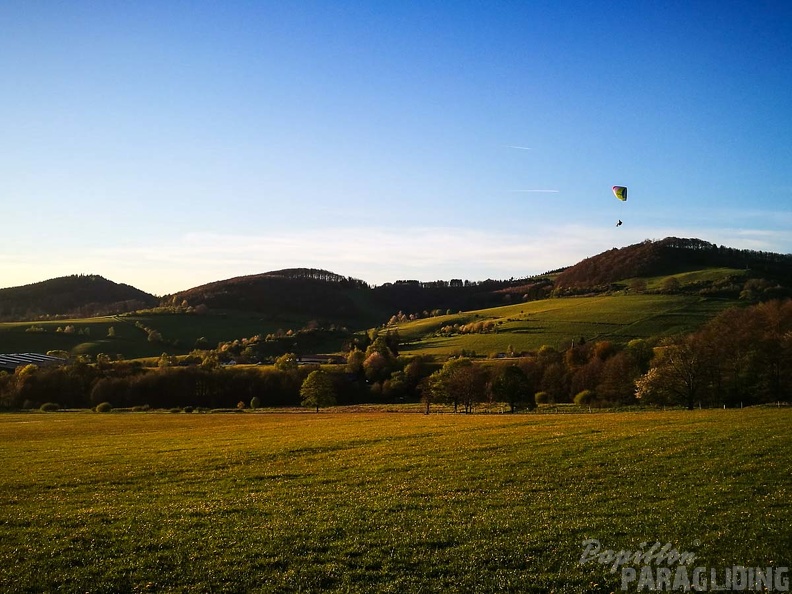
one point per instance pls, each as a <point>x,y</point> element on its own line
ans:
<point>620,192</point>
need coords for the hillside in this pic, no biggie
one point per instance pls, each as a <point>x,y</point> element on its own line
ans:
<point>558,323</point>
<point>654,288</point>
<point>323,295</point>
<point>311,294</point>
<point>671,256</point>
<point>457,295</point>
<point>76,295</point>
<point>300,292</point>
<point>329,297</point>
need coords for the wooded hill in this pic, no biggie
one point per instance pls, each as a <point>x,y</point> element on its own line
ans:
<point>671,256</point>
<point>82,295</point>
<point>331,298</point>
<point>283,293</point>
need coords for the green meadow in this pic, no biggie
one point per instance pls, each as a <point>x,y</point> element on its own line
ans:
<point>696,276</point>
<point>558,322</point>
<point>382,502</point>
<point>179,333</point>
<point>524,326</point>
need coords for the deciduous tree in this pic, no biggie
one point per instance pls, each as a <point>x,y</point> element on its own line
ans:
<point>681,374</point>
<point>317,390</point>
<point>512,386</point>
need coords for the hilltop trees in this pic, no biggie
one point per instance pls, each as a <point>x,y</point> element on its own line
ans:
<point>661,258</point>
<point>76,295</point>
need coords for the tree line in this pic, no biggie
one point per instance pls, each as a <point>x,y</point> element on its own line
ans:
<point>70,296</point>
<point>659,258</point>
<point>741,357</point>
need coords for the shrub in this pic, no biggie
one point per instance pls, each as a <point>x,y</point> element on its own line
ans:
<point>255,402</point>
<point>542,398</point>
<point>175,410</point>
<point>143,408</point>
<point>585,397</point>
<point>49,407</point>
<point>188,409</point>
<point>104,407</point>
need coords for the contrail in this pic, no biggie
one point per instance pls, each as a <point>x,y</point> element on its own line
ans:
<point>522,148</point>
<point>537,191</point>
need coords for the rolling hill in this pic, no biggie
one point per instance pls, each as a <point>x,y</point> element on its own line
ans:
<point>301,292</point>
<point>672,256</point>
<point>328,297</point>
<point>77,295</point>
<point>698,267</point>
<point>558,323</point>
<point>649,289</point>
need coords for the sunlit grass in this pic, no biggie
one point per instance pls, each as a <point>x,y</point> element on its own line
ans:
<point>695,276</point>
<point>558,322</point>
<point>178,331</point>
<point>381,502</point>
<point>523,326</point>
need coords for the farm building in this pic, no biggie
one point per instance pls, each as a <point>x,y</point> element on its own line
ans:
<point>10,362</point>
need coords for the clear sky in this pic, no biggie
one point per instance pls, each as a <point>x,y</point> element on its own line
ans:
<point>166,144</point>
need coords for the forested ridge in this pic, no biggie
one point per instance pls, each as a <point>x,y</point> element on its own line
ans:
<point>329,296</point>
<point>319,293</point>
<point>671,255</point>
<point>334,298</point>
<point>78,295</point>
<point>742,357</point>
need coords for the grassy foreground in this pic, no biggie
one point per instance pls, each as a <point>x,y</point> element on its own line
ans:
<point>382,502</point>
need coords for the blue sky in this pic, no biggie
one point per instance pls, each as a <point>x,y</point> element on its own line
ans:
<point>168,144</point>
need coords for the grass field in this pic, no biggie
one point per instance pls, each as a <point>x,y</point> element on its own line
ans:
<point>558,322</point>
<point>696,277</point>
<point>180,332</point>
<point>523,326</point>
<point>378,502</point>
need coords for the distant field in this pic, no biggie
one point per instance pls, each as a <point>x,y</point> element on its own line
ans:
<point>522,326</point>
<point>695,277</point>
<point>379,502</point>
<point>179,331</point>
<point>558,322</point>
